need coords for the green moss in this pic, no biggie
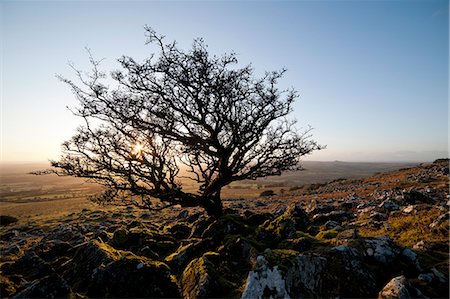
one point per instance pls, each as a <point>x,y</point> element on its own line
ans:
<point>283,258</point>
<point>327,234</point>
<point>109,250</point>
<point>225,225</point>
<point>313,230</point>
<point>200,278</point>
<point>279,228</point>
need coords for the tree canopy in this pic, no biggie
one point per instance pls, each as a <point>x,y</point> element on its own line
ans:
<point>180,109</point>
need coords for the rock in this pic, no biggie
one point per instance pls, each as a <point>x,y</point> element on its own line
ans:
<point>134,224</point>
<point>399,287</point>
<point>338,216</point>
<point>10,250</point>
<point>267,193</point>
<point>330,224</point>
<point>297,244</point>
<point>194,217</point>
<point>199,226</point>
<point>314,208</point>
<point>389,205</point>
<point>411,255</point>
<point>409,209</point>
<point>441,277</point>
<point>281,227</point>
<point>52,286</point>
<point>185,254</point>
<point>419,245</point>
<point>66,233</point>
<point>31,266</point>
<point>333,273</point>
<point>261,203</point>
<point>120,238</point>
<point>306,275</point>
<point>428,277</point>
<point>132,277</point>
<point>265,282</point>
<point>201,280</point>
<point>183,214</point>
<point>411,259</point>
<point>441,219</point>
<point>88,257</point>
<point>6,220</point>
<point>53,249</point>
<point>10,235</point>
<point>414,197</point>
<point>348,204</point>
<point>258,219</point>
<point>363,209</point>
<point>146,216</point>
<point>382,249</point>
<point>148,252</point>
<point>179,231</point>
<point>378,216</point>
<point>236,249</point>
<point>225,225</point>
<point>296,212</point>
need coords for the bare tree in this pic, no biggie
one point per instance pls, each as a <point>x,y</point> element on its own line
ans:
<point>180,109</point>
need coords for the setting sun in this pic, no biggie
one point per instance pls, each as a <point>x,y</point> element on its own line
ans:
<point>137,149</point>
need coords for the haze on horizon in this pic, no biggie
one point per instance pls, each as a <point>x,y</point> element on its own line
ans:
<point>372,75</point>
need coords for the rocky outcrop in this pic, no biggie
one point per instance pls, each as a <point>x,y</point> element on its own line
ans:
<point>265,282</point>
<point>142,277</point>
<point>99,270</point>
<point>399,288</point>
<point>52,286</point>
<point>201,280</point>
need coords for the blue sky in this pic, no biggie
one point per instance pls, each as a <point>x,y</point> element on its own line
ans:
<point>372,75</point>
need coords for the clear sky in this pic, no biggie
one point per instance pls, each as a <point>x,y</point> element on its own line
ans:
<point>372,75</point>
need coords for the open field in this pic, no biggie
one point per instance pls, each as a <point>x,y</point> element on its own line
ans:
<point>25,195</point>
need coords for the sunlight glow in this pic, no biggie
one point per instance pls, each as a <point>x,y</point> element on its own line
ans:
<point>137,150</point>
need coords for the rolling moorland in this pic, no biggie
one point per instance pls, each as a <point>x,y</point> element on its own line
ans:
<point>335,230</point>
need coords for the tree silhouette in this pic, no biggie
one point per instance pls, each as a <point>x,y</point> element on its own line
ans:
<point>180,109</point>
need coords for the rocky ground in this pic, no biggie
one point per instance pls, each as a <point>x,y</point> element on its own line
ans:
<point>384,236</point>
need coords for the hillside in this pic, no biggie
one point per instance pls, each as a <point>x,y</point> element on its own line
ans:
<point>383,235</point>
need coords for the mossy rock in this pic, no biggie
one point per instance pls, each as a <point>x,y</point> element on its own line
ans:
<point>226,225</point>
<point>327,234</point>
<point>120,238</point>
<point>237,248</point>
<point>258,218</point>
<point>298,214</point>
<point>298,244</point>
<point>51,286</point>
<point>99,270</point>
<point>162,248</point>
<point>199,226</point>
<point>283,258</point>
<point>133,277</point>
<point>280,228</point>
<point>182,256</point>
<point>179,231</point>
<point>88,256</point>
<point>200,279</point>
